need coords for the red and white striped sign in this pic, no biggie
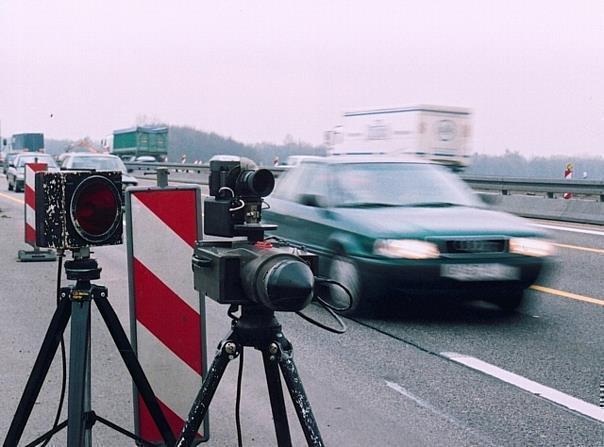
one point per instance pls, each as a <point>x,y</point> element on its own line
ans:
<point>168,316</point>
<point>30,200</point>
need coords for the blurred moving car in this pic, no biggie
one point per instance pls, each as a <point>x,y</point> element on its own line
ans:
<point>15,174</point>
<point>98,162</point>
<point>382,225</point>
<point>295,160</point>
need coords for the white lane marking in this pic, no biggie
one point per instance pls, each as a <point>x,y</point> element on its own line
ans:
<point>571,230</point>
<point>399,389</point>
<point>572,403</point>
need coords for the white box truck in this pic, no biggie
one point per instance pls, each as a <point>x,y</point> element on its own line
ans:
<point>438,133</point>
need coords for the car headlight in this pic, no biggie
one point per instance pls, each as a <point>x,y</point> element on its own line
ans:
<point>405,248</point>
<point>531,247</point>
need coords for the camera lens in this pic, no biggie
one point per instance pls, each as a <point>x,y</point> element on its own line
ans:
<point>289,285</point>
<point>258,183</point>
<point>280,282</point>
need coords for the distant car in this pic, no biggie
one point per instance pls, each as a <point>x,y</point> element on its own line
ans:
<point>98,162</point>
<point>15,174</point>
<point>145,159</point>
<point>390,227</point>
<point>9,158</point>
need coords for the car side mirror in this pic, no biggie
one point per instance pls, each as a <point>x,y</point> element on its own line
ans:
<point>315,200</point>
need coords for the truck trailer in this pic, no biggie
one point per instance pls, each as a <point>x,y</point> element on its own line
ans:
<point>129,144</point>
<point>439,133</point>
<point>30,142</point>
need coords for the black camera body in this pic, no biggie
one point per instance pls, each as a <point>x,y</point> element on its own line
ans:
<point>237,189</point>
<point>278,277</point>
<point>78,209</point>
<point>252,271</point>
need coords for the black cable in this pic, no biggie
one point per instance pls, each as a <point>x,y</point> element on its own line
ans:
<point>63,354</point>
<point>238,400</point>
<point>281,241</point>
<point>231,312</point>
<point>343,328</point>
<point>321,281</point>
<point>330,308</point>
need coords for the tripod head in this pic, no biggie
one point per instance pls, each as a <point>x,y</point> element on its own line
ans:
<point>257,325</point>
<point>82,267</point>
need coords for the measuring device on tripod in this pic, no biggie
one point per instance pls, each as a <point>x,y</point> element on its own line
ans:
<point>76,211</point>
<point>259,278</point>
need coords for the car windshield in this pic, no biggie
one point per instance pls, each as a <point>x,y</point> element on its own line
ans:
<point>399,184</point>
<point>39,158</point>
<point>98,164</point>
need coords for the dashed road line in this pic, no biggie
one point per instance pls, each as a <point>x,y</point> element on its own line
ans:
<point>572,296</point>
<point>6,196</point>
<point>572,403</point>
<point>576,247</point>
<point>571,229</point>
<point>426,405</point>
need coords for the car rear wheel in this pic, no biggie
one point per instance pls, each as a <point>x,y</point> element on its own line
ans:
<point>509,300</point>
<point>345,272</point>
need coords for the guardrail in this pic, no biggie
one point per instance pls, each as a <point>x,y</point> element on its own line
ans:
<point>529,197</point>
<point>548,187</point>
<point>505,185</point>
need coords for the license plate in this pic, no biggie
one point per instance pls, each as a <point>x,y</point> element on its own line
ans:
<point>479,272</point>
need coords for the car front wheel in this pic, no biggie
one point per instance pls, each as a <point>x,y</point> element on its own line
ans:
<point>345,272</point>
<point>509,300</point>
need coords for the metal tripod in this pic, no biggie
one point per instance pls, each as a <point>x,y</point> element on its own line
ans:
<point>75,304</point>
<point>258,328</point>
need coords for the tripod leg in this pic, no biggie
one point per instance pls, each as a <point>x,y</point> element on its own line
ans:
<point>275,392</point>
<point>227,351</point>
<point>78,360</point>
<point>296,391</point>
<point>136,371</point>
<point>39,371</point>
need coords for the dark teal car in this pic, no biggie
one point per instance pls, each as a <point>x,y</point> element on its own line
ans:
<point>386,227</point>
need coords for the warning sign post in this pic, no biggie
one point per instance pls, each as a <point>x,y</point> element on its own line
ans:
<point>30,217</point>
<point>167,314</point>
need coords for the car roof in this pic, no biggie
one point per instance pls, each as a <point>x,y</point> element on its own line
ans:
<point>365,159</point>
<point>34,154</point>
<point>89,154</point>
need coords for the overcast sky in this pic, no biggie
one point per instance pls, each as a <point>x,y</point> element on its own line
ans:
<point>531,70</point>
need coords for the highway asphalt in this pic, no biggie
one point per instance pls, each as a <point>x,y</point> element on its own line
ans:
<point>433,374</point>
